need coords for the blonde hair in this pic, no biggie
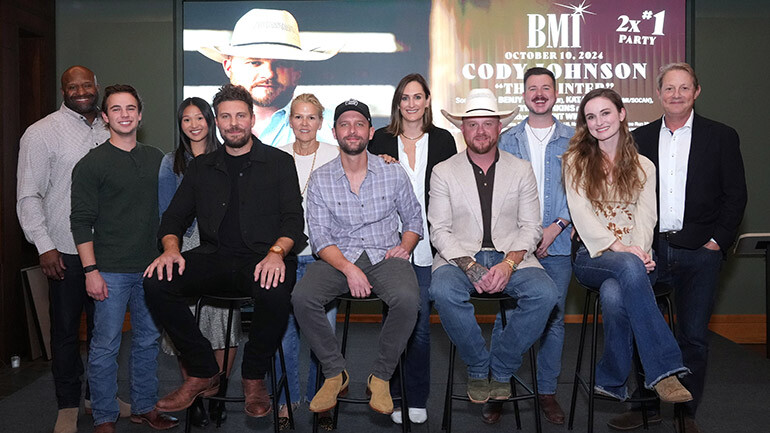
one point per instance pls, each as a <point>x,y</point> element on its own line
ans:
<point>310,99</point>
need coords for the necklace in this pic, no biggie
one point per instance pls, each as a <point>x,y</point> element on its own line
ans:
<point>312,166</point>
<point>547,133</point>
<point>413,139</point>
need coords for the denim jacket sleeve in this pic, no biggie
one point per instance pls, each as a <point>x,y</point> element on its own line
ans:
<point>168,182</point>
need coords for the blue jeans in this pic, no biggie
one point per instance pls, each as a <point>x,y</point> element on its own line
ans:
<point>417,362</point>
<point>124,290</point>
<point>290,345</point>
<point>559,268</point>
<point>535,295</point>
<point>629,312</point>
<point>694,274</point>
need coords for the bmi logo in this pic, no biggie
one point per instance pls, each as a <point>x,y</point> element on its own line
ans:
<point>557,30</point>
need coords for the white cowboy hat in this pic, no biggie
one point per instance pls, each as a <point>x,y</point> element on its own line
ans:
<point>266,34</point>
<point>481,103</point>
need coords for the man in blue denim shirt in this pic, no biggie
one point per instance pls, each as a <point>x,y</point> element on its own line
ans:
<point>541,139</point>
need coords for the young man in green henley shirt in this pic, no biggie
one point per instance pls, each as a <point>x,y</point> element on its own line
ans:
<point>114,219</point>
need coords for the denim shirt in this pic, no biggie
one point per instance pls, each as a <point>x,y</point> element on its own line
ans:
<point>514,141</point>
<point>168,182</point>
<point>278,131</point>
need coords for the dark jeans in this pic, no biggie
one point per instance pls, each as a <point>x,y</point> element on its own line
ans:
<point>694,275</point>
<point>68,299</point>
<point>221,275</point>
<point>417,362</point>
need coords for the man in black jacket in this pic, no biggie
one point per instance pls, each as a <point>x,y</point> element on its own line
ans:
<point>247,202</point>
<point>701,199</point>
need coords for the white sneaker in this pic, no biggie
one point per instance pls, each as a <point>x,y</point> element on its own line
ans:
<point>417,415</point>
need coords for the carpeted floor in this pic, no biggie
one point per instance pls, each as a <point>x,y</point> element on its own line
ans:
<point>737,397</point>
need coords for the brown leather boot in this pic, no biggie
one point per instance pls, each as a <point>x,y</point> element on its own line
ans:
<point>257,399</point>
<point>184,396</point>
<point>551,408</point>
<point>156,420</point>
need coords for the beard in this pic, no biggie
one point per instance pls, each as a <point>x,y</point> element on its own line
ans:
<point>488,144</point>
<point>86,107</point>
<point>274,96</point>
<point>352,149</point>
<point>239,142</point>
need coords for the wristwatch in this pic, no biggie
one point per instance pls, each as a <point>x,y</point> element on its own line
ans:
<point>277,249</point>
<point>89,268</point>
<point>560,223</point>
<point>512,264</point>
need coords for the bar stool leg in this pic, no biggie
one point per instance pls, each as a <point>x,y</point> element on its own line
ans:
<point>581,346</point>
<point>533,367</point>
<point>592,373</point>
<point>405,421</point>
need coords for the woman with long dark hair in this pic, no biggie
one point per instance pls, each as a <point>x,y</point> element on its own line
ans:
<point>197,135</point>
<point>611,198</point>
<point>418,145</point>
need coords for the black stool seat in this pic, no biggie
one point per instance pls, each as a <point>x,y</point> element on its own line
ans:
<point>530,392</point>
<point>349,299</point>
<point>662,293</point>
<point>282,384</point>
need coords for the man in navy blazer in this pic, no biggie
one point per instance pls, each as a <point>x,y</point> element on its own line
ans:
<point>701,199</point>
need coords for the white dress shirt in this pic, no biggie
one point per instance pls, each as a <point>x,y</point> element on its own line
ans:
<point>422,253</point>
<point>673,155</point>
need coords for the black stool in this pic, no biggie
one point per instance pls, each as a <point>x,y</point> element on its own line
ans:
<point>405,424</point>
<point>221,397</point>
<point>662,296</point>
<point>531,393</point>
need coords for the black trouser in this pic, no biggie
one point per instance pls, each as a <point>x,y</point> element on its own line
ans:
<point>221,275</point>
<point>68,298</point>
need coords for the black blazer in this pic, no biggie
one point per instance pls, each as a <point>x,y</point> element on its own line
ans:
<point>271,203</point>
<point>715,192</point>
<point>441,146</point>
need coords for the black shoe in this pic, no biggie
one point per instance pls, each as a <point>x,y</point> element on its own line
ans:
<point>198,416</point>
<point>217,411</point>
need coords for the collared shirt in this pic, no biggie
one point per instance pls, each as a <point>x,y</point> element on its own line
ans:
<point>363,222</point>
<point>278,132</point>
<point>485,184</point>
<point>49,150</point>
<point>673,155</point>
<point>422,254</point>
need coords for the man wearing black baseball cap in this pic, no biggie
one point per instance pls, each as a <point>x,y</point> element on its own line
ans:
<point>353,207</point>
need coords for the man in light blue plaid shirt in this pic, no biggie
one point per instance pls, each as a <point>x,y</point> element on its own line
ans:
<point>353,207</point>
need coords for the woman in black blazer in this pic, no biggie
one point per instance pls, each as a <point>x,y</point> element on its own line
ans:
<point>418,145</point>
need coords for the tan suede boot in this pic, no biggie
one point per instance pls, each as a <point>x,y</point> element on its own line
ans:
<point>380,391</point>
<point>67,421</point>
<point>326,397</point>
<point>671,390</point>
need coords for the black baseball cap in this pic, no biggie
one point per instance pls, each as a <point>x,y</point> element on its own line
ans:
<point>355,105</point>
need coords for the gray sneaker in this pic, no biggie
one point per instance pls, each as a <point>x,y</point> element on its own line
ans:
<point>478,390</point>
<point>499,390</point>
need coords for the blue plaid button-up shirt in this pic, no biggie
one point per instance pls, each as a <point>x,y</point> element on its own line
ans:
<point>368,221</point>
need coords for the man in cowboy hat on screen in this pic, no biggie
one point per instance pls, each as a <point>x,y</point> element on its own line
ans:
<point>263,56</point>
<point>485,223</point>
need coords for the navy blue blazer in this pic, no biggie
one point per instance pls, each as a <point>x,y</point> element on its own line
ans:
<point>715,193</point>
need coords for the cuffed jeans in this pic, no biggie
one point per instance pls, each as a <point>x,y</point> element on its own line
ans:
<point>124,290</point>
<point>559,268</point>
<point>417,360</point>
<point>290,345</point>
<point>694,275</point>
<point>535,295</point>
<point>222,275</point>
<point>392,279</point>
<point>68,299</point>
<point>629,312</point>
